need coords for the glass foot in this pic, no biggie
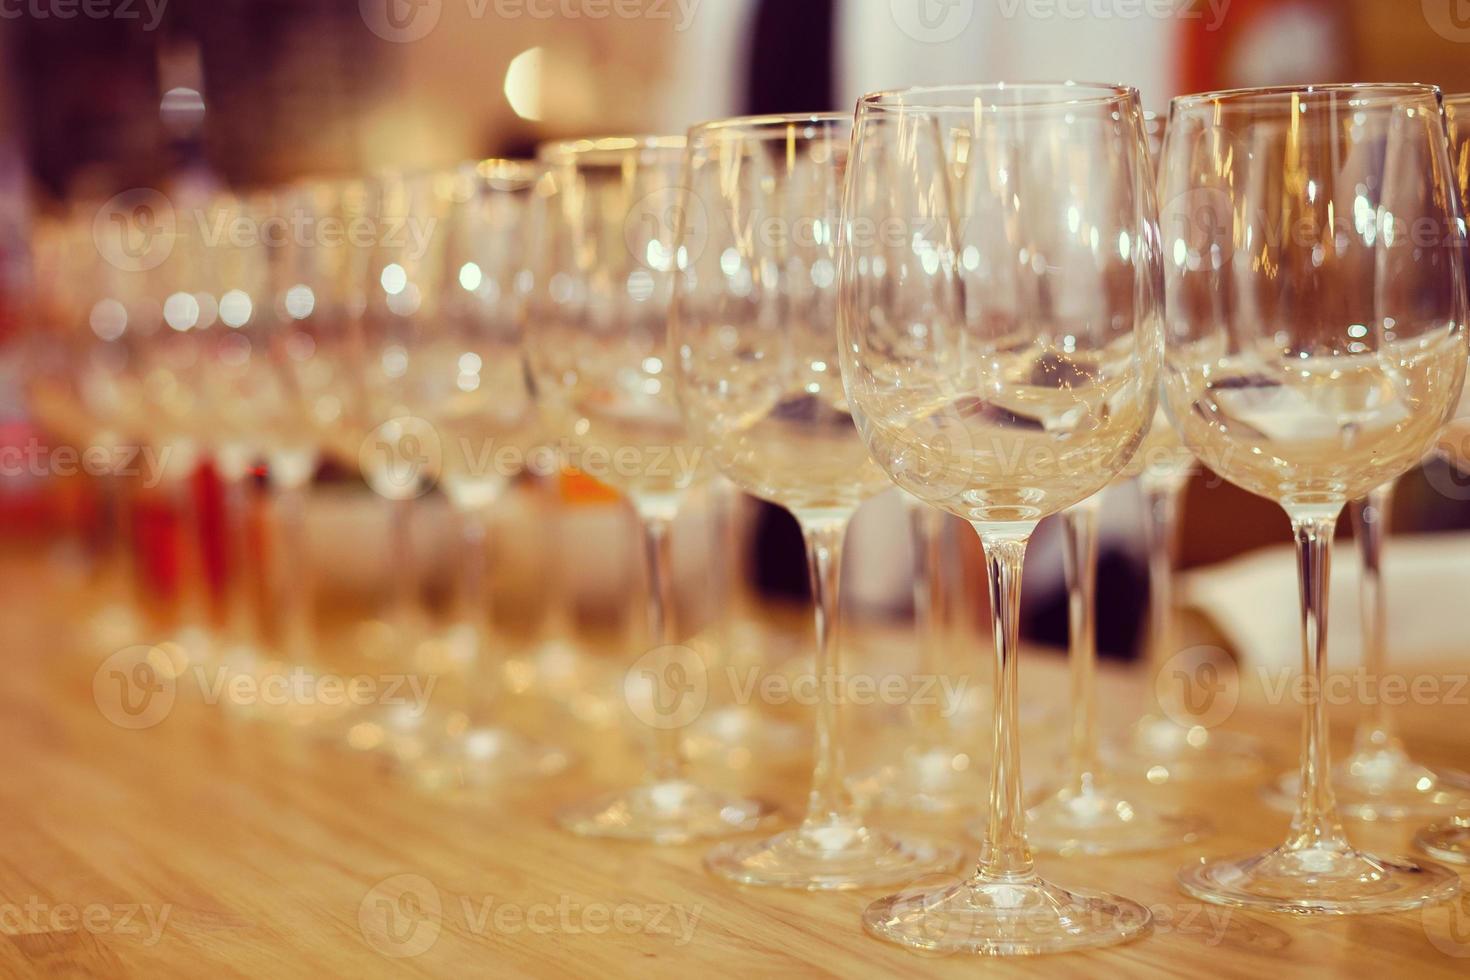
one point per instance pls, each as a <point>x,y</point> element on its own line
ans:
<point>1446,841</point>
<point>467,758</point>
<point>1098,821</point>
<point>1320,880</point>
<point>999,917</point>
<point>833,857</point>
<point>1163,751</point>
<point>669,812</point>
<point>932,779</point>
<point>1383,785</point>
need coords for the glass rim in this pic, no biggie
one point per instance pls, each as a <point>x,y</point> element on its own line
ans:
<point>590,147</point>
<point>961,98</point>
<point>768,121</point>
<point>506,168</point>
<point>1456,98</point>
<point>1384,90</point>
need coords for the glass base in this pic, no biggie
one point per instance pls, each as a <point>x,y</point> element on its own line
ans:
<point>1163,751</point>
<point>933,779</point>
<point>1383,785</point>
<point>1446,841</point>
<point>1099,821</point>
<point>1320,880</point>
<point>1000,917</point>
<point>669,812</point>
<point>832,857</point>
<point>483,757</point>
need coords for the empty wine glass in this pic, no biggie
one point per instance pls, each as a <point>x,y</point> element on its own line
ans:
<point>1379,780</point>
<point>754,329</point>
<point>1090,813</point>
<point>1000,348</point>
<point>466,377</point>
<point>1315,347</point>
<point>1170,742</point>
<point>1450,840</point>
<point>935,773</point>
<point>597,286</point>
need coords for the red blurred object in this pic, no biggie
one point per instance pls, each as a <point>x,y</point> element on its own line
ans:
<point>1307,40</point>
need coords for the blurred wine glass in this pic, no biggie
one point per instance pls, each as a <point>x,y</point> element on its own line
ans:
<point>466,377</point>
<point>601,262</point>
<point>754,330</point>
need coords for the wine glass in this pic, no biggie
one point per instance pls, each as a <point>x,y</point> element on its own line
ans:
<point>1000,349</point>
<point>466,377</point>
<point>597,286</point>
<point>754,329</point>
<point>1169,743</point>
<point>936,773</point>
<point>1315,348</point>
<point>1379,780</point>
<point>1450,840</point>
<point>1089,813</point>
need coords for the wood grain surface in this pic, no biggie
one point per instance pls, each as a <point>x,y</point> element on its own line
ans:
<point>210,844</point>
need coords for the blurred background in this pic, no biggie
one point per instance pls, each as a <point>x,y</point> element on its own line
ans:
<point>99,97</point>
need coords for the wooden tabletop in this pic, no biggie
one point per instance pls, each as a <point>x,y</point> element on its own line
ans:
<point>212,845</point>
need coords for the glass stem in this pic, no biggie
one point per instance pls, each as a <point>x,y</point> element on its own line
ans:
<point>475,608</point>
<point>928,534</point>
<point>666,763</point>
<point>402,582</point>
<point>724,574</point>
<point>1080,559</point>
<point>1316,822</point>
<point>293,585</point>
<point>831,802</point>
<point>1005,854</point>
<point>240,620</point>
<point>193,584</point>
<point>1370,527</point>
<point>1161,531</point>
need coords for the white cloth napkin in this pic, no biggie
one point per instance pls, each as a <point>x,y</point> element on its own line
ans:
<point>1253,601</point>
